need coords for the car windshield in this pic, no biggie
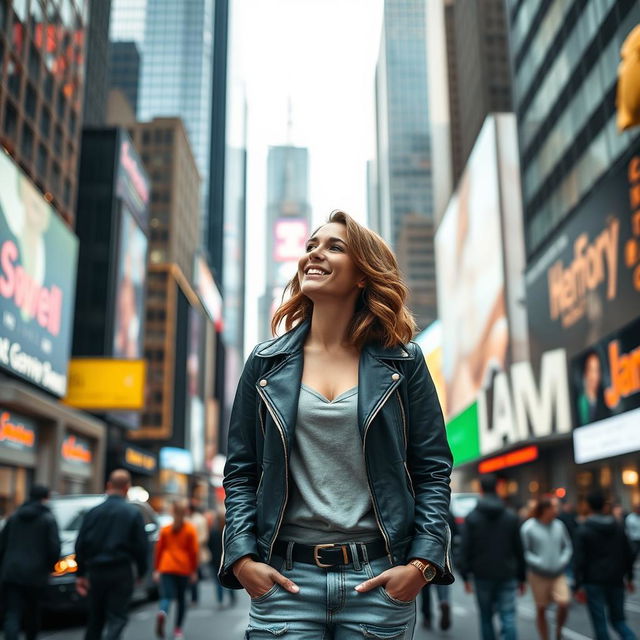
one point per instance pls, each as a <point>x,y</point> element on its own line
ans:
<point>69,512</point>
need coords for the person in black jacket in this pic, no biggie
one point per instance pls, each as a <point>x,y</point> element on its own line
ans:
<point>111,540</point>
<point>491,551</point>
<point>603,560</point>
<point>29,549</point>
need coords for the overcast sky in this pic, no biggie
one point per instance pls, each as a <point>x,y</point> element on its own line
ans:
<point>320,54</point>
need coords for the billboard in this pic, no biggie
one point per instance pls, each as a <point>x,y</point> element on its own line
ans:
<point>208,292</point>
<point>129,293</point>
<point>472,302</point>
<point>586,284</point>
<point>605,384</point>
<point>195,419</point>
<point>104,384</point>
<point>132,183</point>
<point>38,260</point>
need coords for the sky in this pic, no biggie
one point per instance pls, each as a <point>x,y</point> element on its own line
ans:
<point>320,55</point>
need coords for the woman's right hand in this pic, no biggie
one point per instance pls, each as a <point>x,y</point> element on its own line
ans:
<point>257,577</point>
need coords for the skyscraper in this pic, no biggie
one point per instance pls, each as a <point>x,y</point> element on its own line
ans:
<point>403,132</point>
<point>288,220</point>
<point>97,68</point>
<point>177,73</point>
<point>124,70</point>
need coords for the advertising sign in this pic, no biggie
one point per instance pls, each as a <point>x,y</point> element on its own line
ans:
<point>76,451</point>
<point>605,380</point>
<point>138,460</point>
<point>586,284</point>
<point>208,292</point>
<point>129,296</point>
<point>194,373</point>
<point>290,236</point>
<point>103,384</point>
<point>470,277</point>
<point>132,184</point>
<point>176,459</point>
<point>17,432</point>
<point>38,259</point>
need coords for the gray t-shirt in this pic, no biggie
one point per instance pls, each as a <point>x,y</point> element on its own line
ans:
<point>329,499</point>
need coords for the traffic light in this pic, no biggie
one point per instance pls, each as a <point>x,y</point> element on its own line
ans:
<point>628,96</point>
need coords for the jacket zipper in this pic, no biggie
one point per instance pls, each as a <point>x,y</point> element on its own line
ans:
<point>364,451</point>
<point>286,472</point>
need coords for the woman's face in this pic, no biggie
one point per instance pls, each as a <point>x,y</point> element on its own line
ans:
<point>327,269</point>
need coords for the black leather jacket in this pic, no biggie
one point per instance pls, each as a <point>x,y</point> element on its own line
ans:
<point>406,452</point>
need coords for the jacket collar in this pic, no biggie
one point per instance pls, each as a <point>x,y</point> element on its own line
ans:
<point>293,341</point>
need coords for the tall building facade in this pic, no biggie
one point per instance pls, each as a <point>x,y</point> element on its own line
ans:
<point>97,64</point>
<point>480,74</point>
<point>124,70</point>
<point>41,94</point>
<point>405,177</point>
<point>177,74</point>
<point>288,223</point>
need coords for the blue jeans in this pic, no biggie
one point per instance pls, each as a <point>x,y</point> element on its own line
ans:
<point>328,606</point>
<point>599,597</point>
<point>497,596</point>
<point>173,587</point>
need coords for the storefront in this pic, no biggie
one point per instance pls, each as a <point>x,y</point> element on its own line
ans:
<point>46,442</point>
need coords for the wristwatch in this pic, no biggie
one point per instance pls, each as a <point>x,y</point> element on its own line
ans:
<point>427,570</point>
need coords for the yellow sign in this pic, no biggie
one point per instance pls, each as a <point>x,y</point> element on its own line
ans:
<point>135,458</point>
<point>106,384</point>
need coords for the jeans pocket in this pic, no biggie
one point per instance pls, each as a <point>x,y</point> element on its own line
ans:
<point>257,631</point>
<point>267,594</point>
<point>384,633</point>
<point>371,573</point>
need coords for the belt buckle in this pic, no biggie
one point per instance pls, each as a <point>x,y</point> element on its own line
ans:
<point>316,552</point>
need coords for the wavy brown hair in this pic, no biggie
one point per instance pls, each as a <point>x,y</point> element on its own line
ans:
<point>380,315</point>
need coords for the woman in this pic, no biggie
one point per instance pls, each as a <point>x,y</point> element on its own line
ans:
<point>337,477</point>
<point>176,564</point>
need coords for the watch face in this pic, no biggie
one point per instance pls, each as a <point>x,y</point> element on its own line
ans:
<point>429,573</point>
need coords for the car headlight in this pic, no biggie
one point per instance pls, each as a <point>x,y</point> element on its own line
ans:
<point>65,565</point>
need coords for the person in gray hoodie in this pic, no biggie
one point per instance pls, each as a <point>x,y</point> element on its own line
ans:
<point>547,552</point>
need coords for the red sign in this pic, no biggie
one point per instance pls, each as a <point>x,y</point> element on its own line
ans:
<point>511,459</point>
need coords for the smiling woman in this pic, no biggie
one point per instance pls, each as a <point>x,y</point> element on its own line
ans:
<point>337,476</point>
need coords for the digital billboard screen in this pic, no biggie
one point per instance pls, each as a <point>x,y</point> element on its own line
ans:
<point>470,278</point>
<point>38,261</point>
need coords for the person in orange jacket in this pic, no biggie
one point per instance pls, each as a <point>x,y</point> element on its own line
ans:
<point>176,565</point>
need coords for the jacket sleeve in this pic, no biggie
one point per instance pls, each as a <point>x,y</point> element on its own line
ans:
<point>531,558</point>
<point>52,542</point>
<point>465,548</point>
<point>567,547</point>
<point>518,550</point>
<point>430,462</point>
<point>81,547</point>
<point>140,544</point>
<point>579,558</point>
<point>159,550</point>
<point>193,550</point>
<point>241,478</point>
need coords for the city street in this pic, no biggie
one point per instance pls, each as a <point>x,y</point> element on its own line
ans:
<point>205,622</point>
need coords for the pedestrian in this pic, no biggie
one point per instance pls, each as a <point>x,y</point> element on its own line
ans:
<point>338,467</point>
<point>603,563</point>
<point>215,548</point>
<point>547,552</point>
<point>568,516</point>
<point>199,521</point>
<point>443,592</point>
<point>29,549</point>
<point>111,545</point>
<point>491,551</point>
<point>632,526</point>
<point>176,565</point>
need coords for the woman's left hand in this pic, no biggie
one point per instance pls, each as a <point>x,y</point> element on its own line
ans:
<point>402,583</point>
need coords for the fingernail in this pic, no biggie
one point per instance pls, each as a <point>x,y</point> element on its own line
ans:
<point>358,587</point>
<point>295,588</point>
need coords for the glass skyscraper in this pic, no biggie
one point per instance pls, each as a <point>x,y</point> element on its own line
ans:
<point>405,178</point>
<point>177,72</point>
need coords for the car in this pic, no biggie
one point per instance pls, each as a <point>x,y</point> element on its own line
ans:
<point>69,512</point>
<point>462,504</point>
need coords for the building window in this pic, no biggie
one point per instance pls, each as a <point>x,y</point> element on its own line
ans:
<point>13,71</point>
<point>41,162</point>
<point>31,101</point>
<point>27,141</point>
<point>45,122</point>
<point>10,121</point>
